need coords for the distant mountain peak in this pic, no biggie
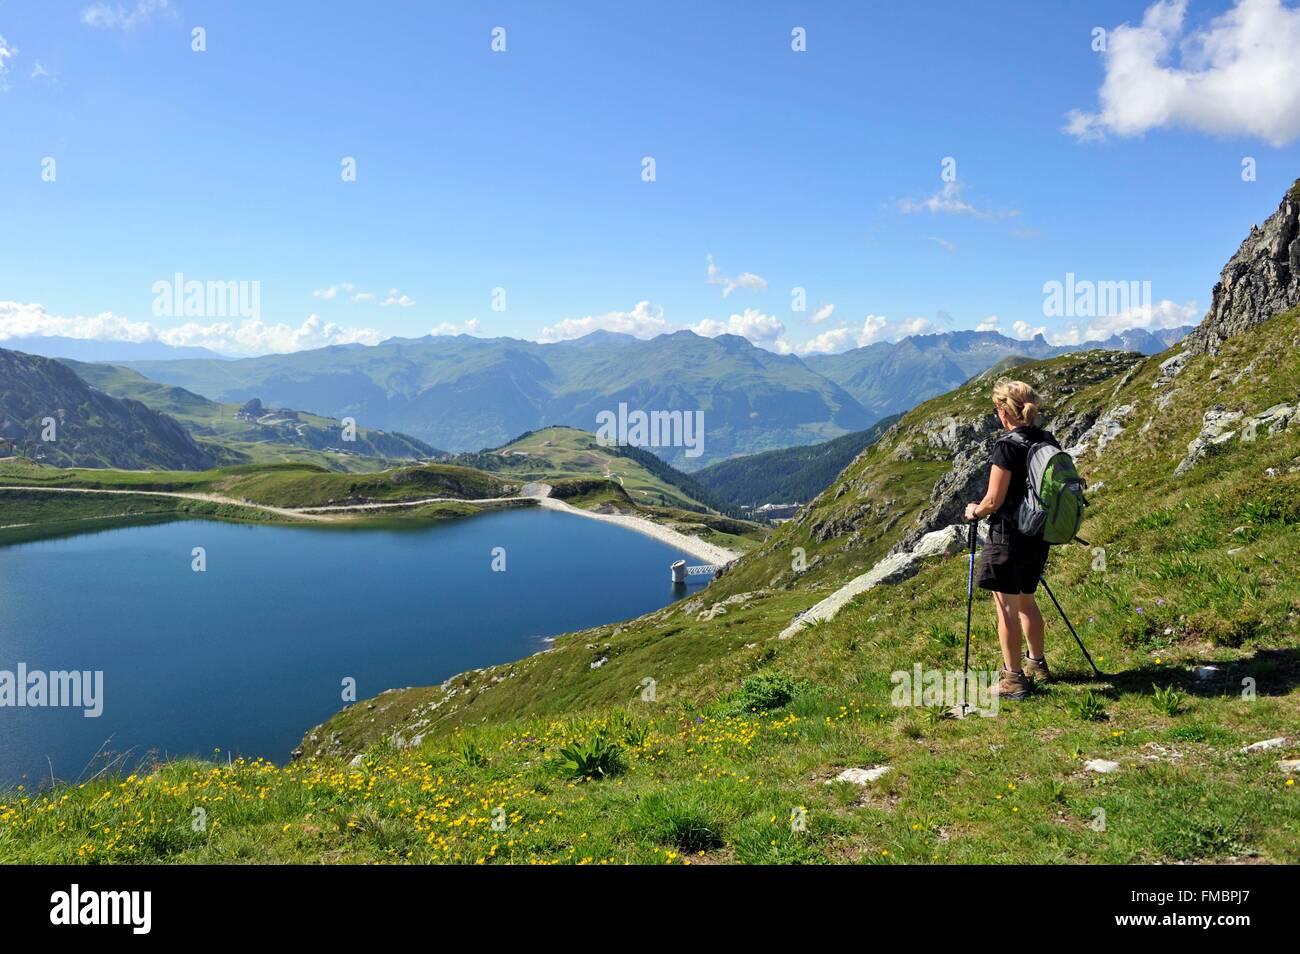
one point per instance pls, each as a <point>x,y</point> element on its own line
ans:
<point>600,336</point>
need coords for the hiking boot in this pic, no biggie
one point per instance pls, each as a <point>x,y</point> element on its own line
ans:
<point>1011,685</point>
<point>1036,669</point>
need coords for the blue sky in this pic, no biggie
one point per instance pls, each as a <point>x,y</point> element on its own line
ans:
<point>522,169</point>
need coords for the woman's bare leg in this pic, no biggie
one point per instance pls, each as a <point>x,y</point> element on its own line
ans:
<point>1031,624</point>
<point>1008,606</point>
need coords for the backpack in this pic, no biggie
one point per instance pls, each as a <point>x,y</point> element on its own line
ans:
<point>1054,502</point>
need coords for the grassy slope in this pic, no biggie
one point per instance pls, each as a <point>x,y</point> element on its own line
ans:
<point>286,485</point>
<point>555,452</point>
<point>794,474</point>
<point>1208,559</point>
<point>592,477</point>
<point>215,426</point>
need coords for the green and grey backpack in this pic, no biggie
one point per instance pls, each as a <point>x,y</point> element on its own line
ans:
<point>1054,502</point>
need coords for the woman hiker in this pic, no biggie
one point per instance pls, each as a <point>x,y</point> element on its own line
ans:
<point>1012,563</point>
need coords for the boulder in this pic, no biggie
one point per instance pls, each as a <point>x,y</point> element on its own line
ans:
<point>1103,766</point>
<point>1215,432</point>
<point>1265,745</point>
<point>861,776</point>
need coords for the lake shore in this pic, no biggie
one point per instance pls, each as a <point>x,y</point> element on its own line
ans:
<point>673,538</point>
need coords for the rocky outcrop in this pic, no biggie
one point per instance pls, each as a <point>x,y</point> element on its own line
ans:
<point>1261,280</point>
<point>1220,426</point>
<point>1108,426</point>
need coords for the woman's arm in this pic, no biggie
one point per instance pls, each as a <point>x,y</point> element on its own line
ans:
<point>999,483</point>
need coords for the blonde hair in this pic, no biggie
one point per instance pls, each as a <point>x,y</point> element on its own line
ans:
<point>1019,401</point>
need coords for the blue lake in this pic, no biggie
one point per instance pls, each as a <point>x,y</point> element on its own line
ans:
<point>249,654</point>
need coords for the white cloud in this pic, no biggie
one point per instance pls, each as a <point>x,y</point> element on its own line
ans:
<point>22,320</point>
<point>251,336</point>
<point>1026,332</point>
<point>1240,75</point>
<point>647,321</point>
<point>831,341</point>
<point>330,292</point>
<point>745,280</point>
<point>874,328</point>
<point>942,243</point>
<point>38,71</point>
<point>643,321</point>
<point>821,314</point>
<point>764,330</point>
<point>914,326</point>
<point>117,17</point>
<point>7,53</point>
<point>990,323</point>
<point>948,201</point>
<point>1072,335</point>
<point>1152,317</point>
<point>470,327</point>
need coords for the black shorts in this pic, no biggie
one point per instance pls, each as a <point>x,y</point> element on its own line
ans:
<point>1011,562</point>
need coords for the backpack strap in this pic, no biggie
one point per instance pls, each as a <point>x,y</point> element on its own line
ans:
<point>1015,437</point>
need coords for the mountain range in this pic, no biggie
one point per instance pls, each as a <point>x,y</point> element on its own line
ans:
<point>95,349</point>
<point>50,413</point>
<point>893,377</point>
<point>462,393</point>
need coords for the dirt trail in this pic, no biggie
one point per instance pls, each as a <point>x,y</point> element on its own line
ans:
<point>209,498</point>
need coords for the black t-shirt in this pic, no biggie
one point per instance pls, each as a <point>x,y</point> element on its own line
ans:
<point>1014,456</point>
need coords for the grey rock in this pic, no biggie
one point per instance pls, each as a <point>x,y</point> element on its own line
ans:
<point>1103,766</point>
<point>1170,368</point>
<point>1265,745</point>
<point>1261,280</point>
<point>943,542</point>
<point>860,776</point>
<point>1107,427</point>
<point>1214,434</point>
<point>1220,426</point>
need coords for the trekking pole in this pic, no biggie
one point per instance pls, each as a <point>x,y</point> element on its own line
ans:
<point>1095,670</point>
<point>970,599</point>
